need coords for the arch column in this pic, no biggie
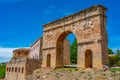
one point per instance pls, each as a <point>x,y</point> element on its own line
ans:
<point>80,57</point>
<point>97,56</point>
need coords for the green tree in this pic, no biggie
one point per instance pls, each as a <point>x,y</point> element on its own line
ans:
<point>73,52</point>
<point>2,70</point>
<point>118,55</point>
<point>118,52</point>
<point>110,51</point>
<point>115,60</point>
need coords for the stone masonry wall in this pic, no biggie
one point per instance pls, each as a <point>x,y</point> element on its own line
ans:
<point>66,54</point>
<point>15,70</point>
<point>32,64</point>
<point>35,49</point>
<point>19,68</point>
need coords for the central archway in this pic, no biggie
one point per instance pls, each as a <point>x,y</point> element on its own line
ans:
<point>60,50</point>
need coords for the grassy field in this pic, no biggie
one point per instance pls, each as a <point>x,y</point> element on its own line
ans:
<point>2,71</point>
<point>114,69</point>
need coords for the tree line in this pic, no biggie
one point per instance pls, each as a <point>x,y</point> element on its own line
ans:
<point>2,70</point>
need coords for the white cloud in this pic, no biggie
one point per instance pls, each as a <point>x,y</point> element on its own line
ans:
<point>6,53</point>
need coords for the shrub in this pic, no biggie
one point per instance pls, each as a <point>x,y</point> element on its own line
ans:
<point>113,60</point>
<point>2,71</point>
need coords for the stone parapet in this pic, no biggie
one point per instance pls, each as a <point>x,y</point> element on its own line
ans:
<point>14,61</point>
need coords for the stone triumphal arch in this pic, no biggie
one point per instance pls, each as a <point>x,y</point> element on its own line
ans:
<point>89,27</point>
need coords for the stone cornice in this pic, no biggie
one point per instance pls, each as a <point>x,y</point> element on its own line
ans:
<point>85,43</point>
<point>91,41</point>
<point>49,48</point>
<point>52,28</point>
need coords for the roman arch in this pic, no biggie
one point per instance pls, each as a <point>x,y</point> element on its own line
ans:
<point>89,27</point>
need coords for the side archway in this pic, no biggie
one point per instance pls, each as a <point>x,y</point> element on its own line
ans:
<point>88,59</point>
<point>48,60</point>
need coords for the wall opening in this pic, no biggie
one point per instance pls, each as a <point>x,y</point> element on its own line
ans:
<point>88,59</point>
<point>15,69</point>
<point>48,60</point>
<point>22,69</point>
<point>7,69</point>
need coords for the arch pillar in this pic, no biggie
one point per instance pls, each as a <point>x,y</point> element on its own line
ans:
<point>80,57</point>
<point>97,56</point>
<point>96,49</point>
<point>52,52</point>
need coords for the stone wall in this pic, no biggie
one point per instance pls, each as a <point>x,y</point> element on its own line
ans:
<point>19,68</point>
<point>35,49</point>
<point>66,54</point>
<point>16,70</point>
<point>32,64</point>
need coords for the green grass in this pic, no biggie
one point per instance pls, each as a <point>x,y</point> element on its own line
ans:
<point>114,69</point>
<point>2,71</point>
<point>70,69</point>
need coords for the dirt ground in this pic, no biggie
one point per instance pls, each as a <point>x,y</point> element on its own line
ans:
<point>74,74</point>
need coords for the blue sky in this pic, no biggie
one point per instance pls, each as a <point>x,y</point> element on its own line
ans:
<point>21,20</point>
